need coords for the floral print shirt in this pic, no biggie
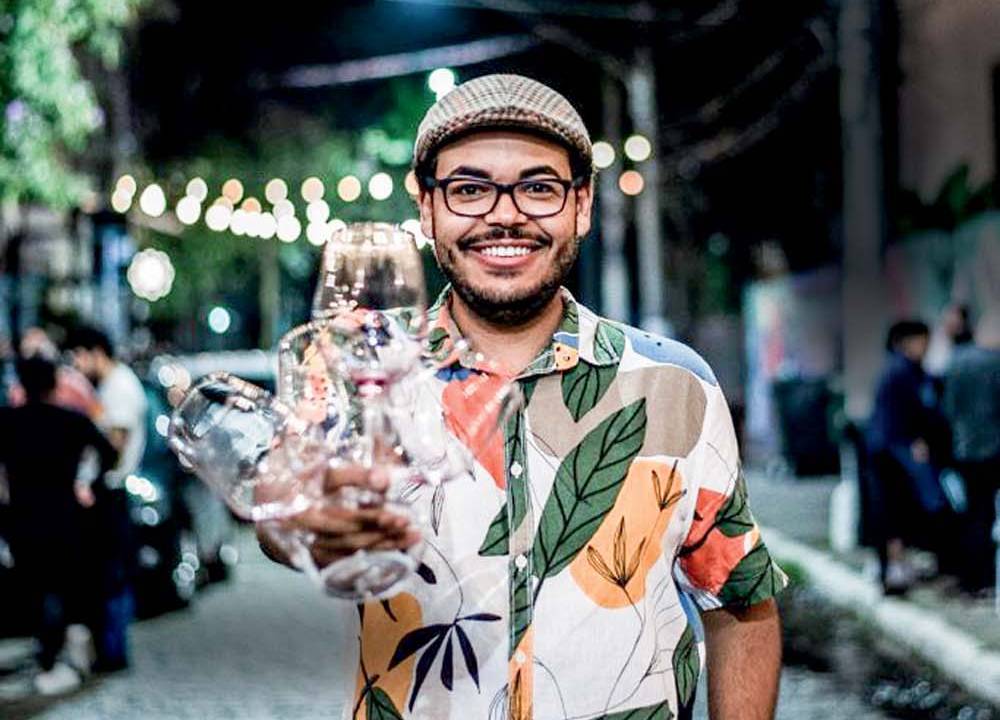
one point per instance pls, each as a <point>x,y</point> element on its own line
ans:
<point>563,581</point>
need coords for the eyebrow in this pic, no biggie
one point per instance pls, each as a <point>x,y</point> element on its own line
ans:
<point>469,171</point>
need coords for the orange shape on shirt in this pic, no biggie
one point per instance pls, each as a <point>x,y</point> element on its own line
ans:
<point>380,635</point>
<point>709,566</point>
<point>611,570</point>
<point>471,413</point>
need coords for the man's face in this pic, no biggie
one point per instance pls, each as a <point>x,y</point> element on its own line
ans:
<point>914,347</point>
<point>86,362</point>
<point>505,266</point>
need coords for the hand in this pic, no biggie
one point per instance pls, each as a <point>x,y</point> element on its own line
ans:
<point>84,494</point>
<point>335,529</point>
<point>919,450</point>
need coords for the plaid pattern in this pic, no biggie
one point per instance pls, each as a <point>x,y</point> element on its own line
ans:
<point>493,101</point>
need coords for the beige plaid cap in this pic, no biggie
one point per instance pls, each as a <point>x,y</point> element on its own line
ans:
<point>501,101</point>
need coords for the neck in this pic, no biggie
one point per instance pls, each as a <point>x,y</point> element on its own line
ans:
<point>512,347</point>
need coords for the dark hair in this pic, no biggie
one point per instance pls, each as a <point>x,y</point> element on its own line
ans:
<point>904,329</point>
<point>579,166</point>
<point>37,376</point>
<point>89,338</point>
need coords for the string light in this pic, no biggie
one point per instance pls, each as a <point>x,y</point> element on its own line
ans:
<point>318,211</point>
<point>604,154</point>
<point>283,208</point>
<point>317,233</point>
<point>276,190</point>
<point>121,201</point>
<point>638,148</point>
<point>198,189</point>
<point>289,229</point>
<point>349,188</point>
<point>152,201</point>
<point>233,190</point>
<point>631,182</point>
<point>380,186</point>
<point>126,184</point>
<point>217,217</point>
<point>188,210</point>
<point>312,189</point>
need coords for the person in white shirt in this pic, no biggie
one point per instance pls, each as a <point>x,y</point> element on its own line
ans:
<point>124,422</point>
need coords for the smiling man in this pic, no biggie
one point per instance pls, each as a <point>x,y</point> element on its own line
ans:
<point>605,546</point>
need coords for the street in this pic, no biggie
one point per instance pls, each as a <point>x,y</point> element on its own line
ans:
<point>263,646</point>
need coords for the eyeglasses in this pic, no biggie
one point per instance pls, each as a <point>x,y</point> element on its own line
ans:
<point>476,197</point>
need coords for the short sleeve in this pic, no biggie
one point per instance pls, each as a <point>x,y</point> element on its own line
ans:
<point>723,560</point>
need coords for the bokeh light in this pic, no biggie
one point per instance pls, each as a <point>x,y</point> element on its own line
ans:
<point>232,189</point>
<point>238,223</point>
<point>318,211</point>
<point>152,201</point>
<point>412,226</point>
<point>317,233</point>
<point>198,189</point>
<point>349,188</point>
<point>604,154</point>
<point>312,189</point>
<point>150,274</point>
<point>631,182</point>
<point>126,184</point>
<point>441,82</point>
<point>283,208</point>
<point>380,186</point>
<point>217,217</point>
<point>251,205</point>
<point>188,210</point>
<point>289,229</point>
<point>219,320</point>
<point>121,201</point>
<point>267,226</point>
<point>276,190</point>
<point>637,148</point>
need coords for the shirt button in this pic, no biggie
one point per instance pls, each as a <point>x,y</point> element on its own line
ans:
<point>519,657</point>
<point>516,470</point>
<point>521,562</point>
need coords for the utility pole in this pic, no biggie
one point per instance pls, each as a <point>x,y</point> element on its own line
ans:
<point>648,223</point>
<point>863,301</point>
<point>615,291</point>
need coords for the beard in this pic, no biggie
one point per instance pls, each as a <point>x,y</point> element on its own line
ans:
<point>509,308</point>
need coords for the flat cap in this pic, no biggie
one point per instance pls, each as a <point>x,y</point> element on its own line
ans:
<point>502,101</point>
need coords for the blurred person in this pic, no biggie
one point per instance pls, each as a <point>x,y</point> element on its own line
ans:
<point>972,404</point>
<point>547,602</point>
<point>41,446</point>
<point>73,390</point>
<point>124,422</point>
<point>904,439</point>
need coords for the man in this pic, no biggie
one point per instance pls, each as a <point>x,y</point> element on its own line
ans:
<point>972,404</point>
<point>41,446</point>
<point>73,390</point>
<point>124,422</point>
<point>904,439</point>
<point>570,574</point>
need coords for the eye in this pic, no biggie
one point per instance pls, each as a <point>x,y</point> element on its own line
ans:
<point>539,188</point>
<point>468,189</point>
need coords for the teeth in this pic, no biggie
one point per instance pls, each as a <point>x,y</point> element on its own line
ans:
<point>505,251</point>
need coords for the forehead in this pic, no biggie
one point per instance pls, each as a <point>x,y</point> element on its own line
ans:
<point>503,153</point>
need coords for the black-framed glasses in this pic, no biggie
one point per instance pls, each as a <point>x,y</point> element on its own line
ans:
<point>476,197</point>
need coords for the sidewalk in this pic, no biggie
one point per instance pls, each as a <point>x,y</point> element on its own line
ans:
<point>958,637</point>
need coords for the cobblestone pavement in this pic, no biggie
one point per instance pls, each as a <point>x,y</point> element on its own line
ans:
<point>264,647</point>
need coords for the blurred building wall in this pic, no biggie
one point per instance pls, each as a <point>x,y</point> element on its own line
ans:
<point>949,50</point>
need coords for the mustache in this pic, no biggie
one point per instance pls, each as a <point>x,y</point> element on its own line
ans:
<point>504,233</point>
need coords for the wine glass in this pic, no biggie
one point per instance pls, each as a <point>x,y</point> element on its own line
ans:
<point>224,430</point>
<point>371,303</point>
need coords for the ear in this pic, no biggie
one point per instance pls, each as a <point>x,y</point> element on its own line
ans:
<point>584,205</point>
<point>425,202</point>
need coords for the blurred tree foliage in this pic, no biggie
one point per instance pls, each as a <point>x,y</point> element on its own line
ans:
<point>221,268</point>
<point>48,109</point>
<point>958,200</point>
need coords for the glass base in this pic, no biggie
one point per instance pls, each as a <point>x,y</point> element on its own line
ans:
<point>367,575</point>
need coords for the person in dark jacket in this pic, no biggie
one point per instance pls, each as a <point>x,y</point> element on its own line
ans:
<point>904,438</point>
<point>41,446</point>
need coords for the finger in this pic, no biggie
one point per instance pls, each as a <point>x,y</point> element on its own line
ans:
<point>346,476</point>
<point>335,520</point>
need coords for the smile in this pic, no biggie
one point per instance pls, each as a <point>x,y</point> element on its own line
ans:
<point>505,251</point>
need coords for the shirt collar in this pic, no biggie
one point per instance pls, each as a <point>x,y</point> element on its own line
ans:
<point>572,341</point>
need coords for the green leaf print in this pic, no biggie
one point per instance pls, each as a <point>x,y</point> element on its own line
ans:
<point>520,607</point>
<point>734,518</point>
<point>379,706</point>
<point>497,538</point>
<point>687,666</point>
<point>585,488</point>
<point>755,578</point>
<point>660,711</point>
<point>584,386</point>
<point>609,342</point>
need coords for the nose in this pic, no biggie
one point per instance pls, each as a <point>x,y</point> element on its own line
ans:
<point>505,212</point>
